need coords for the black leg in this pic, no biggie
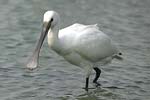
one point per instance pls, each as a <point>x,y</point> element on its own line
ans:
<point>87,84</point>
<point>98,72</point>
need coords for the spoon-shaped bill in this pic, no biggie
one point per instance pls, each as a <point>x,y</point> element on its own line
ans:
<point>33,61</point>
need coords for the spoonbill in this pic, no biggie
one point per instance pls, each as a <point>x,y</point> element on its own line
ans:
<point>81,45</point>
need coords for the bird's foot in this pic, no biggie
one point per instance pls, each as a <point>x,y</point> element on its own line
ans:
<point>97,84</point>
<point>86,89</point>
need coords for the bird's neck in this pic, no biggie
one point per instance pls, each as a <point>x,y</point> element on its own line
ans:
<point>53,39</point>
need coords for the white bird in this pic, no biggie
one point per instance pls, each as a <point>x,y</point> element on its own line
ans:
<point>81,45</point>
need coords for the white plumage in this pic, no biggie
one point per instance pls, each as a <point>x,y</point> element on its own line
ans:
<point>81,45</point>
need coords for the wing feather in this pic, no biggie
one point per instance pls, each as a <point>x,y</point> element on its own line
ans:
<point>87,40</point>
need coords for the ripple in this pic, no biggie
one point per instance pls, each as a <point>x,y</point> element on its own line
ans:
<point>125,21</point>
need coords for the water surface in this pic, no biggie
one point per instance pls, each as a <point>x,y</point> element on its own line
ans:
<point>127,22</point>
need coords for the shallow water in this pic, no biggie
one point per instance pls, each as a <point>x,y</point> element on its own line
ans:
<point>127,22</point>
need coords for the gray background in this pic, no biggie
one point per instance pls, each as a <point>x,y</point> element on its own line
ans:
<point>127,22</point>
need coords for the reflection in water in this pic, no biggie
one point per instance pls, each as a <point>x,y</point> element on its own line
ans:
<point>99,94</point>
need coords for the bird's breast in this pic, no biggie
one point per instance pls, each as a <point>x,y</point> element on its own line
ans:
<point>75,59</point>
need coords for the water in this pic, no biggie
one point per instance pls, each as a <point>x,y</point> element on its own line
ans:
<point>127,22</point>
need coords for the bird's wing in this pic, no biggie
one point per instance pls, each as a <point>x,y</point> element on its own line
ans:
<point>67,36</point>
<point>87,40</point>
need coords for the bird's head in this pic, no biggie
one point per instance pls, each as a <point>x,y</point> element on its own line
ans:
<point>50,20</point>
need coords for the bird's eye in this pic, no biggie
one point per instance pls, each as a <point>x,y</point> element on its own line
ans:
<point>52,19</point>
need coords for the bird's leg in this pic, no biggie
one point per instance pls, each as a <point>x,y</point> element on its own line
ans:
<point>98,72</point>
<point>87,84</point>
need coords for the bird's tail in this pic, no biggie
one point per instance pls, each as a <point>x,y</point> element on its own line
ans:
<point>118,56</point>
